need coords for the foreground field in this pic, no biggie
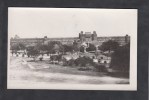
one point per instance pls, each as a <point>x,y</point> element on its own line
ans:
<point>22,73</point>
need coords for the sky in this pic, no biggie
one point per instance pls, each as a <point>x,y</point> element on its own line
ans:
<point>69,22</point>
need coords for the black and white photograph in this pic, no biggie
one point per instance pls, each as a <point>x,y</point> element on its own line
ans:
<point>72,49</point>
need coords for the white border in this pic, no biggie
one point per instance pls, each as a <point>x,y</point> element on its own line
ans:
<point>125,87</point>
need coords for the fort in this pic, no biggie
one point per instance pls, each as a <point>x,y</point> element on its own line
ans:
<point>84,37</point>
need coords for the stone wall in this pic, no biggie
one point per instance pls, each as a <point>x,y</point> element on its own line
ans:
<point>87,37</point>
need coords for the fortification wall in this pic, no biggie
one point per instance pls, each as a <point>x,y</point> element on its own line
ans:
<point>122,40</point>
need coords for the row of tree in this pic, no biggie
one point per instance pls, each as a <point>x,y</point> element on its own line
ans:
<point>120,55</point>
<point>52,47</point>
<point>121,58</point>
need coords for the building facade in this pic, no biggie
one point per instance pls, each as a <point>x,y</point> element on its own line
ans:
<point>84,37</point>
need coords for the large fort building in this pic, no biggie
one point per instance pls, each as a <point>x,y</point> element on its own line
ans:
<point>84,37</point>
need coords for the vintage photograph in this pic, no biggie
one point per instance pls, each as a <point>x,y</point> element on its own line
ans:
<point>72,48</point>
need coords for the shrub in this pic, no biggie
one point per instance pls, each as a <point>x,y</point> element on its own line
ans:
<point>22,55</point>
<point>91,48</point>
<point>100,68</point>
<point>83,61</point>
<point>40,59</point>
<point>81,49</point>
<point>71,62</point>
<point>84,68</point>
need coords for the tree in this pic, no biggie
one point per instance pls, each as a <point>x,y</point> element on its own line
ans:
<point>82,49</point>
<point>57,48</point>
<point>91,47</point>
<point>109,45</point>
<point>33,52</point>
<point>121,58</point>
<point>22,46</point>
<point>54,46</point>
<point>71,48</point>
<point>83,61</point>
<point>42,47</point>
<point>16,47</point>
<point>67,48</point>
<point>75,46</point>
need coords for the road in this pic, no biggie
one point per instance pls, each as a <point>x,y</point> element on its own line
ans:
<point>22,74</point>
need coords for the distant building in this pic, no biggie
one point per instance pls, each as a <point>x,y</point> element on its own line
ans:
<point>16,37</point>
<point>26,41</point>
<point>88,36</point>
<point>84,37</point>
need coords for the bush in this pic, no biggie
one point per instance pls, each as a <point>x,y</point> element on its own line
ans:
<point>100,68</point>
<point>22,55</point>
<point>83,61</point>
<point>84,68</point>
<point>71,62</point>
<point>84,64</point>
<point>91,48</point>
<point>81,49</point>
<point>40,59</point>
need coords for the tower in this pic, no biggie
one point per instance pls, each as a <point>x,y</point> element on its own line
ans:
<point>127,39</point>
<point>94,36</point>
<point>81,36</point>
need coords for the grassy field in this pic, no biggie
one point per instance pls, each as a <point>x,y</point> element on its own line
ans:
<point>30,74</point>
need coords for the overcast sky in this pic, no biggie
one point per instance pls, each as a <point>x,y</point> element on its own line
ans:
<point>64,22</point>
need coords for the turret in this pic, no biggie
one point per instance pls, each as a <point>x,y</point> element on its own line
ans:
<point>16,37</point>
<point>94,36</point>
<point>81,36</point>
<point>45,37</point>
<point>127,39</point>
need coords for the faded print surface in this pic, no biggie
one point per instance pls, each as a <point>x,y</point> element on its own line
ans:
<point>59,48</point>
